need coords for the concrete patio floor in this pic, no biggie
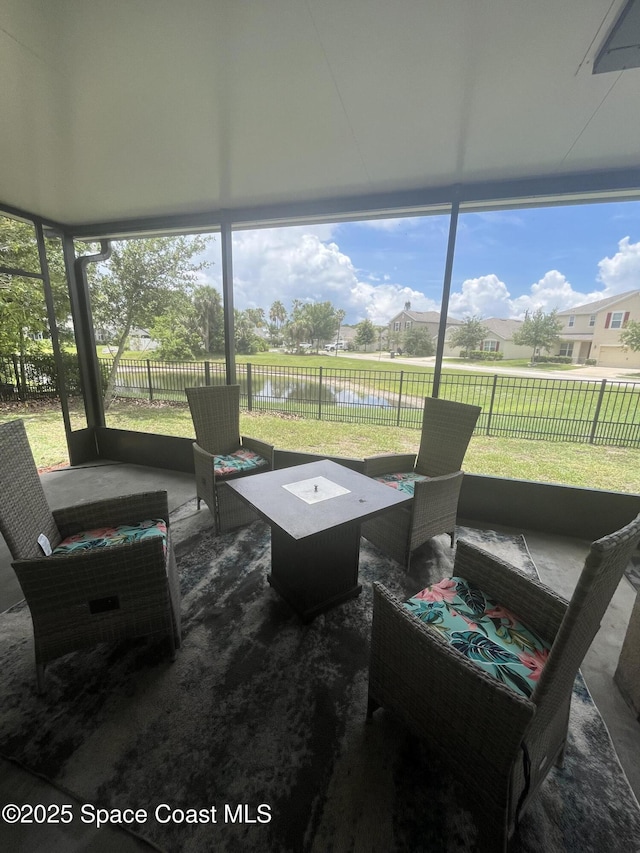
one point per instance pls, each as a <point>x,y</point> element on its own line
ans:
<point>559,561</point>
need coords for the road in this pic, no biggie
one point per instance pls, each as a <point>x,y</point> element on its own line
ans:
<point>582,372</point>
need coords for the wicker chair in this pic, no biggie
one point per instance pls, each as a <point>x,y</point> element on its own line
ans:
<point>434,478</point>
<point>499,742</point>
<point>220,453</point>
<point>80,596</point>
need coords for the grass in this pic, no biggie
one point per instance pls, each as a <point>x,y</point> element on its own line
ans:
<point>584,465</point>
<point>564,405</point>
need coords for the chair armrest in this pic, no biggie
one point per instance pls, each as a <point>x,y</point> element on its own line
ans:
<point>388,463</point>
<point>539,607</point>
<point>262,447</point>
<point>434,506</point>
<point>440,694</point>
<point>133,570</point>
<point>110,512</point>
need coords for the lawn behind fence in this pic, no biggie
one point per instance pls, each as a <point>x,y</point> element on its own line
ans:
<point>575,464</point>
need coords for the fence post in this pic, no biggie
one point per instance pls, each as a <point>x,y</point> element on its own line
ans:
<point>249,388</point>
<point>149,381</point>
<point>493,396</point>
<point>16,370</point>
<point>207,373</point>
<point>594,425</point>
<point>400,397</point>
<point>319,393</point>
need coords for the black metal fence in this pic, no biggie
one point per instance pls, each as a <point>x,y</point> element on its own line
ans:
<point>603,411</point>
<point>594,411</point>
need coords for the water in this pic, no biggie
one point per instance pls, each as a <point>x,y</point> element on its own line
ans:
<point>309,391</point>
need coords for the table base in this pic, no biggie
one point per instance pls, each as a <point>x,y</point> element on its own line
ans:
<point>318,572</point>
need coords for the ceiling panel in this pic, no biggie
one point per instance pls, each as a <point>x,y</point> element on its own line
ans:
<point>129,109</point>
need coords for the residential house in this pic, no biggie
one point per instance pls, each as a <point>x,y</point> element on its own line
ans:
<point>407,319</point>
<point>141,341</point>
<point>592,331</point>
<point>499,338</point>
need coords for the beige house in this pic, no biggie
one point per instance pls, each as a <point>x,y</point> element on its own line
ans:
<point>407,319</point>
<point>592,331</point>
<point>499,338</point>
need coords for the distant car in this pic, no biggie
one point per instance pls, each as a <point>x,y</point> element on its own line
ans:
<point>333,347</point>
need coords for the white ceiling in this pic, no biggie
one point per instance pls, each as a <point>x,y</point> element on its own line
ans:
<point>143,108</point>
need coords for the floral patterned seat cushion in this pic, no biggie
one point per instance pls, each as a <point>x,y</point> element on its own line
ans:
<point>487,634</point>
<point>104,537</point>
<point>239,462</point>
<point>403,482</point>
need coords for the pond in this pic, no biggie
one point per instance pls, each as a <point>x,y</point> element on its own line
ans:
<point>312,392</point>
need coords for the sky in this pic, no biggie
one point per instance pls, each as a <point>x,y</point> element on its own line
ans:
<point>506,262</point>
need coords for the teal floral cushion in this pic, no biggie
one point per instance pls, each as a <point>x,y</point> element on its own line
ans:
<point>486,633</point>
<point>103,537</point>
<point>238,462</point>
<point>403,482</point>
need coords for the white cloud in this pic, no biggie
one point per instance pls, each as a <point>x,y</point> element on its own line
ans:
<point>303,263</point>
<point>485,296</point>
<point>621,272</point>
<point>306,263</point>
<point>551,292</point>
<point>379,303</point>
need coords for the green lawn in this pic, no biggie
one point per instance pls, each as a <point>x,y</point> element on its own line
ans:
<point>590,466</point>
<point>524,405</point>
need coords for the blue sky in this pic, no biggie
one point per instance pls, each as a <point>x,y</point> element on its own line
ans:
<point>506,262</point>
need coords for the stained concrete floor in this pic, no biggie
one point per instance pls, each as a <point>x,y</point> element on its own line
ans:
<point>559,561</point>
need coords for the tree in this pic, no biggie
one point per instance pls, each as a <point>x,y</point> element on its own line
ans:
<point>469,335</point>
<point>381,331</point>
<point>630,336</point>
<point>209,318</point>
<point>136,285</point>
<point>245,338</point>
<point>340,315</point>
<point>23,312</point>
<point>419,342</point>
<point>538,331</point>
<point>321,320</point>
<point>176,330</point>
<point>365,334</point>
<point>297,328</point>
<point>277,319</point>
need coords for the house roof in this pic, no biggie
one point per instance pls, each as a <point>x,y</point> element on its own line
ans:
<point>127,114</point>
<point>424,317</point>
<point>502,327</point>
<point>599,305</point>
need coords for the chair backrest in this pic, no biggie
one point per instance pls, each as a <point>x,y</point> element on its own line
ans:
<point>447,428</point>
<point>24,511</point>
<point>605,563</point>
<point>215,410</point>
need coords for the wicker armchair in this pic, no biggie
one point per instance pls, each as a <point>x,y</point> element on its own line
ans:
<point>433,477</point>
<point>220,453</point>
<point>87,591</point>
<point>499,742</point>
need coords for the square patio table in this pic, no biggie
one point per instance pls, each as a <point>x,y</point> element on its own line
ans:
<point>315,511</point>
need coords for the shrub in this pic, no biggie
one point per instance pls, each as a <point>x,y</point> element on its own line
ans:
<point>553,359</point>
<point>482,355</point>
